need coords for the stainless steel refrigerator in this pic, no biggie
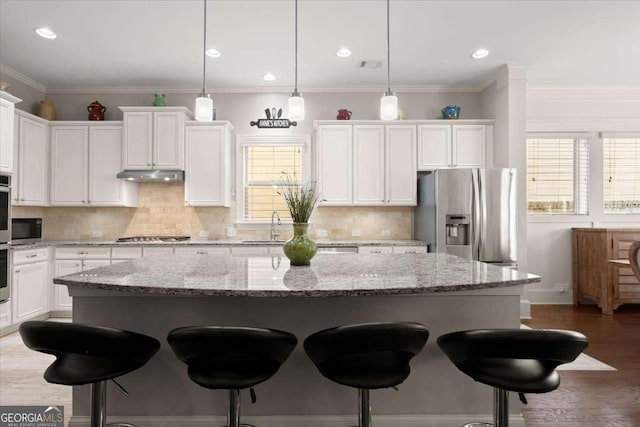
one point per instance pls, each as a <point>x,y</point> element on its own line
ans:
<point>470,213</point>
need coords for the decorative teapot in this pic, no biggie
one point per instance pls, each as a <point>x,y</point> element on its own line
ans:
<point>96,111</point>
<point>344,114</point>
<point>451,112</point>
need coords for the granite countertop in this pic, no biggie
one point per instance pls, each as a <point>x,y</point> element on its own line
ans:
<point>321,243</point>
<point>329,275</point>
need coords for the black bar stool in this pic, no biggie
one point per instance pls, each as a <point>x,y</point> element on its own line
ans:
<point>231,358</point>
<point>518,360</point>
<point>367,356</point>
<point>88,354</point>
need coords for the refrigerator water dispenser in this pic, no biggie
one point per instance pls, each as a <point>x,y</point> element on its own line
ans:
<point>457,230</point>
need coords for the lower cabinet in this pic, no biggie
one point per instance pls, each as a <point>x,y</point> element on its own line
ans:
<point>61,299</point>
<point>30,296</point>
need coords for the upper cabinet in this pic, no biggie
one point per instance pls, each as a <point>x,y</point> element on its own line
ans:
<point>208,164</point>
<point>154,137</point>
<point>466,145</point>
<point>84,162</point>
<point>31,178</point>
<point>7,110</point>
<point>367,164</point>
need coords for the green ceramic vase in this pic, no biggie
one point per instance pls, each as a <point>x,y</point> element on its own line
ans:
<point>300,249</point>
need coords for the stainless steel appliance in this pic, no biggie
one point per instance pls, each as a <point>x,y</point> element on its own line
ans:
<point>470,213</point>
<point>5,236</point>
<point>26,230</point>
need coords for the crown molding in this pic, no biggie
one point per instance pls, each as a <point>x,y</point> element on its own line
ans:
<point>505,74</point>
<point>22,78</point>
<point>259,89</point>
<point>584,93</point>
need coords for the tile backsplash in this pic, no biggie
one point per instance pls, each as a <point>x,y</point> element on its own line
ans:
<point>161,211</point>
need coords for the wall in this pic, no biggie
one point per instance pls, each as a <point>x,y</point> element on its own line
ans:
<point>575,110</point>
<point>30,96</point>
<point>161,211</point>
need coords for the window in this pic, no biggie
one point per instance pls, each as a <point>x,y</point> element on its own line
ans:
<point>557,175</point>
<point>621,173</point>
<point>263,161</point>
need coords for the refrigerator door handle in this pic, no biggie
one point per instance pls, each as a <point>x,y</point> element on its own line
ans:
<point>476,214</point>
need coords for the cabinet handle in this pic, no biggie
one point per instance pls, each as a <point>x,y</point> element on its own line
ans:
<point>17,271</point>
<point>88,202</point>
<point>201,252</point>
<point>22,200</point>
<point>77,265</point>
<point>375,252</point>
<point>32,256</point>
<point>148,164</point>
<point>83,253</point>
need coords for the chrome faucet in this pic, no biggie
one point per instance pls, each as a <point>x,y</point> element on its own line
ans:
<point>274,234</point>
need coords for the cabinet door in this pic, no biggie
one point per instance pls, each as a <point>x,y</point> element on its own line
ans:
<point>468,146</point>
<point>401,172</point>
<point>368,150</point>
<point>7,136</point>
<point>434,147</point>
<point>206,164</point>
<point>168,140</point>
<point>69,165</point>
<point>335,165</point>
<point>61,299</point>
<point>33,166</point>
<point>105,161</point>
<point>138,140</point>
<point>30,291</point>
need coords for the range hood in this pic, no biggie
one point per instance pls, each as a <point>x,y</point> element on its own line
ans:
<point>155,175</point>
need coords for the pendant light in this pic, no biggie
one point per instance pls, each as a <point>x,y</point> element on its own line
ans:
<point>204,103</point>
<point>296,101</point>
<point>389,100</point>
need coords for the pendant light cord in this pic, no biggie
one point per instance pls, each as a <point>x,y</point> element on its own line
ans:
<point>388,52</point>
<point>296,49</point>
<point>204,51</point>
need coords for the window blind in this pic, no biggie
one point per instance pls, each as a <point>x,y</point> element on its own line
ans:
<point>264,167</point>
<point>621,173</point>
<point>557,175</point>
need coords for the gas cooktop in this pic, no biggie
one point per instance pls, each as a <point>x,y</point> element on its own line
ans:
<point>154,239</point>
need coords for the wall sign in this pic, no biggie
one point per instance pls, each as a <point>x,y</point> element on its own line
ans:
<point>273,120</point>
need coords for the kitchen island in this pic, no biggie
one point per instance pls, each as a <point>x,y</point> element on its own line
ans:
<point>156,294</point>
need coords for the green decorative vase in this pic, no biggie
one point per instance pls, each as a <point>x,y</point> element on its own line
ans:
<point>300,249</point>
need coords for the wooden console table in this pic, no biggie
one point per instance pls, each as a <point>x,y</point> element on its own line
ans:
<point>601,270</point>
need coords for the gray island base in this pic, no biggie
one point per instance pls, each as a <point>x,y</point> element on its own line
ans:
<point>154,295</point>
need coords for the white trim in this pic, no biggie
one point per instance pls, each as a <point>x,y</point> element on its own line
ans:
<point>8,97</point>
<point>262,89</point>
<point>317,123</point>
<point>22,78</point>
<point>584,93</point>
<point>427,420</point>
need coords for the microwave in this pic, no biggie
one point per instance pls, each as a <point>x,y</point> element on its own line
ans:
<point>26,230</point>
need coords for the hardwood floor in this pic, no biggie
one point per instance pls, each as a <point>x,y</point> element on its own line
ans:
<point>588,398</point>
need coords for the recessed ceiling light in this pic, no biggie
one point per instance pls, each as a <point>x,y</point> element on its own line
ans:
<point>269,77</point>
<point>480,53</point>
<point>343,52</point>
<point>213,52</point>
<point>46,33</point>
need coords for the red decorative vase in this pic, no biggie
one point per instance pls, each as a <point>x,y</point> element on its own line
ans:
<point>344,114</point>
<point>96,111</point>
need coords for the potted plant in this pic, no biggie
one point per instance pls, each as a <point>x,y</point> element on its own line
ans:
<point>301,199</point>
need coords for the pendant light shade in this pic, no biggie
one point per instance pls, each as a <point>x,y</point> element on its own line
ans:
<point>389,106</point>
<point>296,101</point>
<point>389,100</point>
<point>204,103</point>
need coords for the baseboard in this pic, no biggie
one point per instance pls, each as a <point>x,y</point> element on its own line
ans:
<point>304,420</point>
<point>12,328</point>
<point>61,313</point>
<point>549,296</point>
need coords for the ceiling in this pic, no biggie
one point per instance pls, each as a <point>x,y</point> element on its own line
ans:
<point>158,44</point>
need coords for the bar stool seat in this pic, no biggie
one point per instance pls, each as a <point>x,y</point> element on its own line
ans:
<point>231,358</point>
<point>517,360</point>
<point>367,356</point>
<point>88,354</point>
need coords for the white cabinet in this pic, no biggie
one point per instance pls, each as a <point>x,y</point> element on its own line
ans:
<point>335,165</point>
<point>7,136</point>
<point>31,178</point>
<point>250,250</point>
<point>158,250</point>
<point>154,137</point>
<point>208,164</point>
<point>71,260</point>
<point>375,249</point>
<point>5,314</point>
<point>454,146</point>
<point>409,249</point>
<point>30,284</point>
<point>84,161</point>
<point>202,250</point>
<point>367,164</point>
